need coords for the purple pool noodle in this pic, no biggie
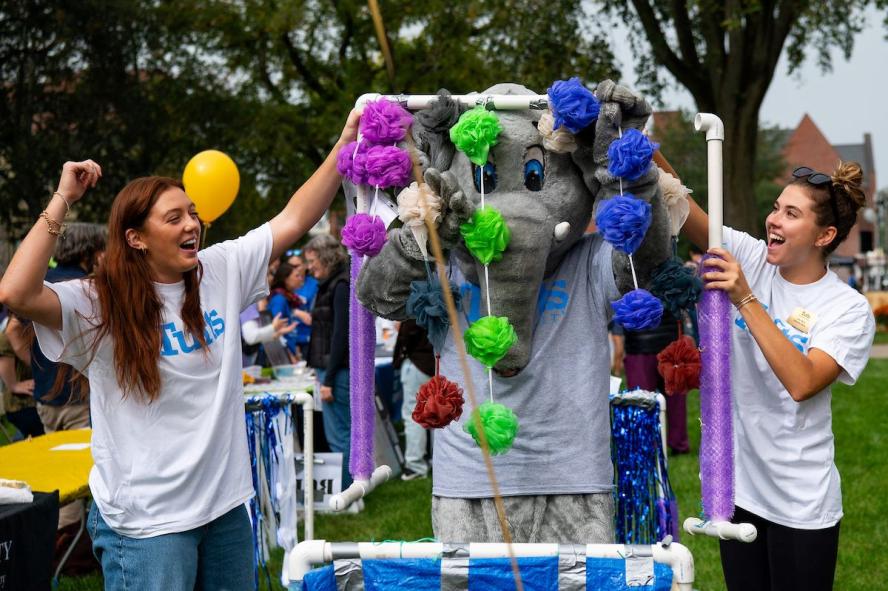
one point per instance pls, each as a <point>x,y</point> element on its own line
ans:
<point>362,351</point>
<point>716,443</point>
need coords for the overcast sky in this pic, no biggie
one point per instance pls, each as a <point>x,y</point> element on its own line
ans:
<point>844,104</point>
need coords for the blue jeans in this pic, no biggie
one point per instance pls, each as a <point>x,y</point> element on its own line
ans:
<point>337,420</point>
<point>218,555</point>
<point>415,435</point>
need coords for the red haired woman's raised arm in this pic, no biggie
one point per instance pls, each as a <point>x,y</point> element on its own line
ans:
<point>312,199</point>
<point>22,286</point>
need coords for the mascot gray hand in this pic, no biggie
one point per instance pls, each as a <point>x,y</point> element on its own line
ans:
<point>456,208</point>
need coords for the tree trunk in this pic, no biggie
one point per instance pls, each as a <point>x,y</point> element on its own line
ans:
<point>739,155</point>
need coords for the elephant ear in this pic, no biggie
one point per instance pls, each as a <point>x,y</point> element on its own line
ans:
<point>431,131</point>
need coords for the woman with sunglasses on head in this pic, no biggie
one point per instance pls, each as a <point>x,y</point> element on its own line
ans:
<point>156,332</point>
<point>797,329</point>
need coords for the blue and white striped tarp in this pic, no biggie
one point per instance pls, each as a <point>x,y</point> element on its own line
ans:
<point>568,572</point>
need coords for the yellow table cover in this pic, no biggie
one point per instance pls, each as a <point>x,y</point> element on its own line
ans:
<point>44,469</point>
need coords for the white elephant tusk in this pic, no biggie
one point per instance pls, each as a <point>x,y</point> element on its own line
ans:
<point>562,230</point>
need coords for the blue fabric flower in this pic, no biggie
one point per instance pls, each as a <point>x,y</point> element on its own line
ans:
<point>623,221</point>
<point>572,104</point>
<point>630,156</point>
<point>638,310</point>
<point>426,304</point>
<point>677,286</point>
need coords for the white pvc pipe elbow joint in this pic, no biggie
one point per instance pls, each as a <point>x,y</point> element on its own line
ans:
<point>711,124</point>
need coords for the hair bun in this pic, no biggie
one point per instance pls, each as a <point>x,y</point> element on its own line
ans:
<point>848,179</point>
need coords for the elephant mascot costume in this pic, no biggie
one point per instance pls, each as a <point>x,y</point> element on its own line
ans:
<point>555,283</point>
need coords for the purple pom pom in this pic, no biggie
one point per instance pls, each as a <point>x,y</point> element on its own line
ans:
<point>364,234</point>
<point>388,166</point>
<point>638,310</point>
<point>623,221</point>
<point>572,104</point>
<point>351,162</point>
<point>630,156</point>
<point>384,122</point>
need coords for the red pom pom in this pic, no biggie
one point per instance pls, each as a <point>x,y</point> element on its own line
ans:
<point>438,403</point>
<point>679,364</point>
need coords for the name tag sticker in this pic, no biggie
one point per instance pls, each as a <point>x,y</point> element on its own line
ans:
<point>802,320</point>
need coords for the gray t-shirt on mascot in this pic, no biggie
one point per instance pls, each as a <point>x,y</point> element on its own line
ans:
<point>561,397</point>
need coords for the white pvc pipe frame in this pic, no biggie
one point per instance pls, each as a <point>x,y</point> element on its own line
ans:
<point>500,102</point>
<point>715,136</point>
<point>316,552</point>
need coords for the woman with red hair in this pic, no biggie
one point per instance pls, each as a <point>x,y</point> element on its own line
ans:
<point>156,332</point>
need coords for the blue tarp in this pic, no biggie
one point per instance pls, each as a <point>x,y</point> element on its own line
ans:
<point>488,574</point>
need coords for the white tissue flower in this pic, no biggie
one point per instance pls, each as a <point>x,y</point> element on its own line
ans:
<point>675,196</point>
<point>415,204</point>
<point>560,141</point>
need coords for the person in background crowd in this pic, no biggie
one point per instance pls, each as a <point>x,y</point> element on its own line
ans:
<point>18,400</point>
<point>157,331</point>
<point>308,291</point>
<point>640,364</point>
<point>258,328</point>
<point>328,350</point>
<point>286,304</point>
<point>415,357</point>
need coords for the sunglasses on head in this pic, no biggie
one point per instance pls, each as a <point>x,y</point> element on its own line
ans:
<point>818,179</point>
<point>294,252</point>
<point>812,176</point>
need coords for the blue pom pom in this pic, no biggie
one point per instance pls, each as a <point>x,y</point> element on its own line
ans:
<point>572,105</point>
<point>638,310</point>
<point>630,156</point>
<point>426,304</point>
<point>623,221</point>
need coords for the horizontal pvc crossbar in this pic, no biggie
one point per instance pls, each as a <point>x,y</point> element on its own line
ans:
<point>315,552</point>
<point>499,102</point>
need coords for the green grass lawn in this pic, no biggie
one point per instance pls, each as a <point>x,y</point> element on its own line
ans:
<point>400,510</point>
<point>881,338</point>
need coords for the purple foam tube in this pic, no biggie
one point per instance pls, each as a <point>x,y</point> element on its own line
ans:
<point>362,351</point>
<point>717,443</point>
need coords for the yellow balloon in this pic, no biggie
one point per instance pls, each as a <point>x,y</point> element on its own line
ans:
<point>211,181</point>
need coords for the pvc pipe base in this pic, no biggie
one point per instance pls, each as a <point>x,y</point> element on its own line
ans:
<point>724,530</point>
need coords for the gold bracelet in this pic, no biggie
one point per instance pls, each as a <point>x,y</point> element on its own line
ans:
<point>749,298</point>
<point>52,226</point>
<point>65,201</point>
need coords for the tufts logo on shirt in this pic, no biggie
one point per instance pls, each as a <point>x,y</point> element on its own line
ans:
<point>551,303</point>
<point>795,336</point>
<point>174,341</point>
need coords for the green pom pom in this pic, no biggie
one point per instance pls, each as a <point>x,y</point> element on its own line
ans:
<point>489,338</point>
<point>475,132</point>
<point>486,235</point>
<point>499,423</point>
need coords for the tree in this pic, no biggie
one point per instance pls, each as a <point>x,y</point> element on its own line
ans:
<point>726,54</point>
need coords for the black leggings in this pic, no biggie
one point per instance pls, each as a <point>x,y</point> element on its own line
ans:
<point>781,558</point>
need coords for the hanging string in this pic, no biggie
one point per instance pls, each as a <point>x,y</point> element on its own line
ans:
<point>487,295</point>
<point>459,345</point>
<point>632,268</point>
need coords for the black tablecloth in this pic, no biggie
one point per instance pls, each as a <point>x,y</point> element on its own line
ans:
<point>27,539</point>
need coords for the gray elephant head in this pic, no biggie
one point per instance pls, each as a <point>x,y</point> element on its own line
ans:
<point>546,198</point>
<point>537,192</point>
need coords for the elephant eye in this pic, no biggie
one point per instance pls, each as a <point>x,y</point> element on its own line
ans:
<point>534,170</point>
<point>489,172</point>
<point>533,175</point>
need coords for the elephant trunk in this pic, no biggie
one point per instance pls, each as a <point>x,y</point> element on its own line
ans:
<point>523,264</point>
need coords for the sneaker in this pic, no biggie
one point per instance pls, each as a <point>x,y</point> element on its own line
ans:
<point>409,474</point>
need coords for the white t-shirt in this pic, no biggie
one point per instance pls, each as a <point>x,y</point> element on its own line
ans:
<point>181,461</point>
<point>783,450</point>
